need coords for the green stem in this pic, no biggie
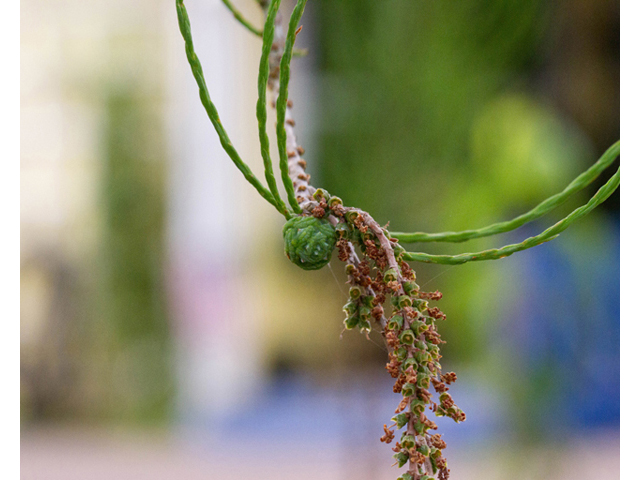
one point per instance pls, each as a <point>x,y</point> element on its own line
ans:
<point>543,208</point>
<point>236,13</point>
<point>281,107</point>
<point>261,108</point>
<point>196,69</point>
<point>549,234</point>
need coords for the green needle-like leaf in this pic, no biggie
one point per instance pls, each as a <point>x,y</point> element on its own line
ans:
<point>549,234</point>
<point>261,108</point>
<point>285,73</point>
<point>236,13</point>
<point>543,208</point>
<point>198,74</point>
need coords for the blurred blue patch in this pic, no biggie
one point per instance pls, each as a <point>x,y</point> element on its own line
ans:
<point>565,332</point>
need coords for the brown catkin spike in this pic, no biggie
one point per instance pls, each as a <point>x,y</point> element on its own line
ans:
<point>411,340</point>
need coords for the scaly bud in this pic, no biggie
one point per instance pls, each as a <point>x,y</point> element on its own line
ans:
<point>421,357</point>
<point>404,301</point>
<point>417,407</point>
<point>401,354</point>
<point>367,300</point>
<point>401,419</point>
<point>351,322</point>
<point>424,450</point>
<point>407,337</point>
<point>350,308</point>
<point>408,390</point>
<point>333,201</point>
<point>342,229</point>
<point>402,458</point>
<point>420,305</point>
<point>351,216</point>
<point>408,363</point>
<point>390,275</point>
<point>410,288</point>
<point>321,193</point>
<point>420,427</point>
<point>398,250</point>
<point>418,327</point>
<point>423,380</point>
<point>365,325</point>
<point>408,441</point>
<point>420,345</point>
<point>396,322</point>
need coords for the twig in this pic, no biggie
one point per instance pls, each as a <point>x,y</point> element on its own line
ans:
<point>543,208</point>
<point>549,234</point>
<point>261,107</point>
<point>385,243</point>
<point>196,69</point>
<point>296,166</point>
<point>238,16</point>
<point>354,260</point>
<point>282,104</point>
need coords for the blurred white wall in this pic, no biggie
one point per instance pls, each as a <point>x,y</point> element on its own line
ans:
<point>72,53</point>
<point>216,219</point>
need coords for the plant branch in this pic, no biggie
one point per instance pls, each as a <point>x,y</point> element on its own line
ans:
<point>385,243</point>
<point>354,260</point>
<point>549,234</point>
<point>198,74</point>
<point>282,104</point>
<point>261,107</point>
<point>296,164</point>
<point>543,208</point>
<point>238,16</point>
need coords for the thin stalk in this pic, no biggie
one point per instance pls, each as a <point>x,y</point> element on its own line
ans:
<point>238,16</point>
<point>198,74</point>
<point>281,107</point>
<point>543,208</point>
<point>261,107</point>
<point>297,165</point>
<point>549,234</point>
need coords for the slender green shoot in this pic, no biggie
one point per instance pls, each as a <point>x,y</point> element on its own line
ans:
<point>236,13</point>
<point>281,107</point>
<point>543,208</point>
<point>196,69</point>
<point>549,234</point>
<point>261,107</point>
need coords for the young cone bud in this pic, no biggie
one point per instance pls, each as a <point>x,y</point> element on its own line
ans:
<point>402,458</point>
<point>408,441</point>
<point>401,419</point>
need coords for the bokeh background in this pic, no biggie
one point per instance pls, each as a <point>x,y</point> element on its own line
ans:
<point>163,333</point>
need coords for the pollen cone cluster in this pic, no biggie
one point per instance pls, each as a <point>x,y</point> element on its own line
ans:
<point>383,280</point>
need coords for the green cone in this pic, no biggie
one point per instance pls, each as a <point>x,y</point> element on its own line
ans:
<point>308,241</point>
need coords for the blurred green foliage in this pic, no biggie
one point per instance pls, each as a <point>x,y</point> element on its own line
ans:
<point>434,118</point>
<point>405,82</point>
<point>132,301</point>
<point>101,350</point>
